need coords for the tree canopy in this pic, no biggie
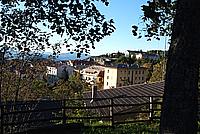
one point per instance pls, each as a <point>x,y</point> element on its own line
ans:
<point>28,25</point>
<point>157,19</point>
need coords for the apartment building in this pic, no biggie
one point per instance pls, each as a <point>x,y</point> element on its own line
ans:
<point>93,74</point>
<point>123,75</point>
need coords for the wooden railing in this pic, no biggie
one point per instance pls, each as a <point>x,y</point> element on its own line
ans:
<point>22,116</point>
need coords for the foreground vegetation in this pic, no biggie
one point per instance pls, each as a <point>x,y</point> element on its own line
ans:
<point>136,128</point>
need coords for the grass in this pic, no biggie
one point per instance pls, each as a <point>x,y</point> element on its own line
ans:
<point>135,128</point>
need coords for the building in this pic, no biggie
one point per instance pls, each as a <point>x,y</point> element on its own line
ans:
<point>58,71</point>
<point>151,56</point>
<point>123,75</point>
<point>81,64</point>
<point>142,55</point>
<point>102,60</point>
<point>139,56</point>
<point>139,96</point>
<point>93,74</point>
<point>130,53</point>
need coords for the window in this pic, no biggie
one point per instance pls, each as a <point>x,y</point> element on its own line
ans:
<point>120,84</point>
<point>135,78</point>
<point>107,83</point>
<point>135,72</point>
<point>139,78</point>
<point>139,72</point>
<point>100,79</point>
<point>107,77</point>
<point>128,72</point>
<point>142,72</point>
<point>142,78</point>
<point>108,71</point>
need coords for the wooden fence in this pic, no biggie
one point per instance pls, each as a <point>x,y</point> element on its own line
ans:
<point>23,116</point>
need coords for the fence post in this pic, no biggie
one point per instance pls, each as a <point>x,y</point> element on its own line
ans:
<point>64,112</point>
<point>150,107</point>
<point>111,111</point>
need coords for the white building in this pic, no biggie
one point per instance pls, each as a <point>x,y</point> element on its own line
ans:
<point>56,72</point>
<point>142,55</point>
<point>139,56</point>
<point>52,70</point>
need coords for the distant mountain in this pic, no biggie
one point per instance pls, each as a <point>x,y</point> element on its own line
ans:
<point>64,56</point>
<point>47,55</point>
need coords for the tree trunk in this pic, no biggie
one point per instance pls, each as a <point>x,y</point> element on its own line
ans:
<point>180,105</point>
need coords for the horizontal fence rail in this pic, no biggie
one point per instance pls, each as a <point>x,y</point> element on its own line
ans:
<point>23,116</point>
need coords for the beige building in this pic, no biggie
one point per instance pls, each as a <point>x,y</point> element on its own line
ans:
<point>123,76</point>
<point>92,74</point>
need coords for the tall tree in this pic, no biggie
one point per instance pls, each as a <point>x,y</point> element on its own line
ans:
<point>177,19</point>
<point>180,105</point>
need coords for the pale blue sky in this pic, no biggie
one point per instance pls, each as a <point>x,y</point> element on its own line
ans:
<point>125,13</point>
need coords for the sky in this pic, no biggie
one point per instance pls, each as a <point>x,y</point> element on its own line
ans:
<point>125,13</point>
